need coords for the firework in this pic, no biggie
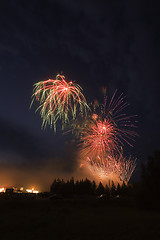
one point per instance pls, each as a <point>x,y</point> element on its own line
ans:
<point>59,100</point>
<point>101,168</point>
<point>110,115</point>
<point>124,168</point>
<point>107,128</point>
<point>115,168</point>
<point>102,128</point>
<point>114,110</point>
<point>98,138</point>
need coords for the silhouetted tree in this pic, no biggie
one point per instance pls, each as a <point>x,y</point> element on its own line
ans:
<point>69,188</point>
<point>107,191</point>
<point>118,189</point>
<point>149,191</point>
<point>57,186</point>
<point>151,172</point>
<point>100,189</point>
<point>87,187</point>
<point>94,187</point>
<point>79,187</point>
<point>123,189</point>
<point>113,190</point>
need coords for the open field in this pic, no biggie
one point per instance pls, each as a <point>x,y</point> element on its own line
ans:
<point>72,219</point>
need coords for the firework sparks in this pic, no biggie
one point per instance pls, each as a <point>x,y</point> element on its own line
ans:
<point>106,129</point>
<point>125,167</point>
<point>102,130</point>
<point>101,168</point>
<point>59,100</point>
<point>113,110</point>
<point>109,115</point>
<point>102,138</point>
<point>98,138</point>
<point>115,168</point>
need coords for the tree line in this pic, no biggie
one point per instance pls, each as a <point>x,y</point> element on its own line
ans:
<point>86,187</point>
<point>144,193</point>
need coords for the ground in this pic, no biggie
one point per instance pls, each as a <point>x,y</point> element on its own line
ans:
<point>72,219</point>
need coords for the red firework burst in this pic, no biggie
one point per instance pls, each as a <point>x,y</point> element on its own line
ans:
<point>98,138</point>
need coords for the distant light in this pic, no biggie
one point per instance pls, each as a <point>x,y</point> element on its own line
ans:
<point>2,189</point>
<point>31,191</point>
<point>35,191</point>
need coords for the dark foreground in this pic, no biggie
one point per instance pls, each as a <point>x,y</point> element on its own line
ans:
<point>75,219</point>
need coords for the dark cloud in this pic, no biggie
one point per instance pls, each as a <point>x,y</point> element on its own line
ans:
<point>18,147</point>
<point>14,139</point>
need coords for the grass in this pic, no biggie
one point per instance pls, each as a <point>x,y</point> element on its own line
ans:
<point>62,219</point>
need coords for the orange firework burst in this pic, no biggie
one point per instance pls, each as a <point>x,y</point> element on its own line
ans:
<point>59,100</point>
<point>102,168</point>
<point>112,167</point>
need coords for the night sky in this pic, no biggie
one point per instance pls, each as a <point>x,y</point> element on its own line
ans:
<point>98,44</point>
